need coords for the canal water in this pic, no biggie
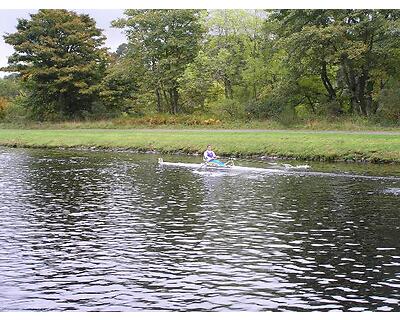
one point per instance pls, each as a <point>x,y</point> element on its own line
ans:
<point>107,231</point>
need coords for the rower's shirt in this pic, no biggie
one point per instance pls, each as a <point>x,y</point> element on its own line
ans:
<point>208,155</point>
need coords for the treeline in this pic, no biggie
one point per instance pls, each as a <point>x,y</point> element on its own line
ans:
<point>237,64</point>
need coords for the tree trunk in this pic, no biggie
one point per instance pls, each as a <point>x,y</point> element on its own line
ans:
<point>327,84</point>
<point>374,107</point>
<point>174,97</point>
<point>159,108</point>
<point>361,94</point>
<point>356,87</point>
<point>311,104</point>
<point>167,101</point>
<point>228,88</point>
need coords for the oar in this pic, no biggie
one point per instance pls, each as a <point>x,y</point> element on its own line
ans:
<point>230,161</point>
<point>202,165</point>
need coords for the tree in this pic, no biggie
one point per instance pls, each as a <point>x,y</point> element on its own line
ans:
<point>10,89</point>
<point>226,45</point>
<point>118,86</point>
<point>60,58</point>
<point>354,52</point>
<point>369,54</point>
<point>196,83</point>
<point>163,43</point>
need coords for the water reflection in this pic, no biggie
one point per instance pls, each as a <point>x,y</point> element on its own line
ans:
<point>102,231</point>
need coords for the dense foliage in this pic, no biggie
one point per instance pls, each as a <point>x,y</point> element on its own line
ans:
<point>59,58</point>
<point>351,54</point>
<point>237,64</point>
<point>161,45</point>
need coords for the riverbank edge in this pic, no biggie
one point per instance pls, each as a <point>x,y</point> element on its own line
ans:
<point>321,147</point>
<point>262,157</point>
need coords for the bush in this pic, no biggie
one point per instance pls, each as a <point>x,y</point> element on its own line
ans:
<point>15,112</point>
<point>22,110</point>
<point>333,108</point>
<point>99,111</point>
<point>389,111</point>
<point>303,112</point>
<point>288,116</point>
<point>228,108</point>
<point>9,87</point>
<point>3,107</point>
<point>263,109</point>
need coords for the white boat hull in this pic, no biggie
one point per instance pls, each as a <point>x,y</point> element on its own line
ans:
<point>213,167</point>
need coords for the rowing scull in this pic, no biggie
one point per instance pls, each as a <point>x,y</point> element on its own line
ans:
<point>230,166</point>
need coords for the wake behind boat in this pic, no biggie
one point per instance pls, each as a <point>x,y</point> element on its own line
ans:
<point>282,169</point>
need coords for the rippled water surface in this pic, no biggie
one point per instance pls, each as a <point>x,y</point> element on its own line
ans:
<point>95,231</point>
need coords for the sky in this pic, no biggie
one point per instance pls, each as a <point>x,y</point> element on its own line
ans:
<point>103,17</point>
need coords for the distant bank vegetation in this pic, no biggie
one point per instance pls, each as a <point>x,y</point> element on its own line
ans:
<point>213,67</point>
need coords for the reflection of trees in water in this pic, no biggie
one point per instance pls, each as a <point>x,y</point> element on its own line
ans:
<point>313,232</point>
<point>337,223</point>
<point>67,183</point>
<point>173,200</point>
<point>66,209</point>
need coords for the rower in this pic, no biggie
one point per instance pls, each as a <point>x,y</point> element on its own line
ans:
<point>210,157</point>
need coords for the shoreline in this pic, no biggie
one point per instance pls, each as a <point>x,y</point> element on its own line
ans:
<point>179,153</point>
<point>293,145</point>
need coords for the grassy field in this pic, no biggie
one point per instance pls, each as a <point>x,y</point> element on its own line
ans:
<point>288,144</point>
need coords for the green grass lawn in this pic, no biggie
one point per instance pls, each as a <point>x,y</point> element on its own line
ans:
<point>301,145</point>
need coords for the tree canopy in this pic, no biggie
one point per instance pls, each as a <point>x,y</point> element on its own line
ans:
<point>60,58</point>
<point>239,64</point>
<point>163,43</point>
<point>353,52</point>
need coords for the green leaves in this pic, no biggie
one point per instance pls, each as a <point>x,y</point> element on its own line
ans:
<point>185,61</point>
<point>345,48</point>
<point>61,54</point>
<point>162,43</point>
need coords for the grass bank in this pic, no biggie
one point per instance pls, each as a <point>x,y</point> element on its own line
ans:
<point>326,146</point>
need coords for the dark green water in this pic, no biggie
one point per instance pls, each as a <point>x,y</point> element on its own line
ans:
<point>93,231</point>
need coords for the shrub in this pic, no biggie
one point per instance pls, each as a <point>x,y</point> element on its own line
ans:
<point>228,108</point>
<point>15,112</point>
<point>303,112</point>
<point>3,107</point>
<point>389,111</point>
<point>288,116</point>
<point>333,108</point>
<point>263,109</point>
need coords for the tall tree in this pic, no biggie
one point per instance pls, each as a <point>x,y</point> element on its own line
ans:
<point>369,54</point>
<point>196,83</point>
<point>59,56</point>
<point>226,44</point>
<point>347,49</point>
<point>164,42</point>
<point>235,45</point>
